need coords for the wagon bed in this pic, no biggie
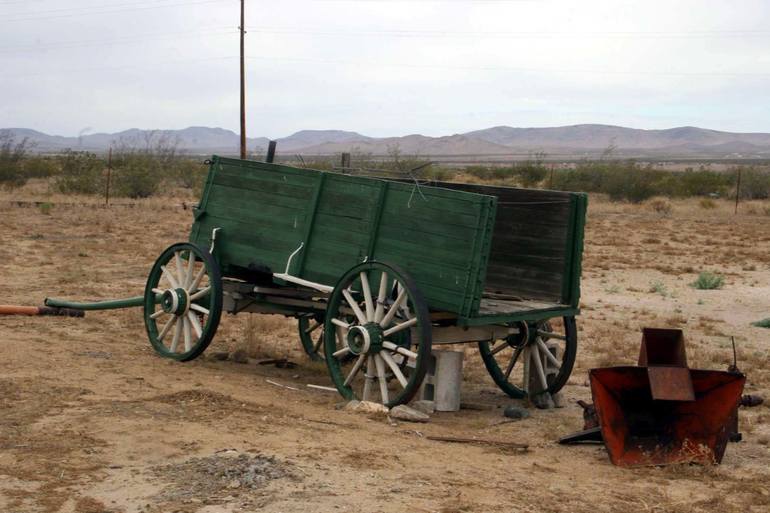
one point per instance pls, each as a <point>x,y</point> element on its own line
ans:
<point>479,254</point>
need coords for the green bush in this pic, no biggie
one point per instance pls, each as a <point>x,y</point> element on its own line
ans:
<point>188,173</point>
<point>708,281</point>
<point>764,323</point>
<point>81,173</point>
<point>11,160</point>
<point>137,175</point>
<point>40,167</point>
<point>755,183</point>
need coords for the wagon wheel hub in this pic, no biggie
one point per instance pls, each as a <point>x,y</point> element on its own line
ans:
<point>175,301</point>
<point>365,339</point>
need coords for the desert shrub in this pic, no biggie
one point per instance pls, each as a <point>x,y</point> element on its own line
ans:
<point>764,323</point>
<point>658,287</point>
<point>141,165</point>
<point>530,173</point>
<point>187,173</point>
<point>11,159</point>
<point>137,175</point>
<point>45,208</point>
<point>661,206</point>
<point>708,281</point>
<point>81,173</point>
<point>40,167</point>
<point>707,204</point>
<point>755,183</point>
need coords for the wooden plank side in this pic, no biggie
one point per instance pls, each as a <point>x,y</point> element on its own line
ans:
<point>534,248</point>
<point>265,211</point>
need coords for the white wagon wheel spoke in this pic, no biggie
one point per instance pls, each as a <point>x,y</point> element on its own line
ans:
<point>195,323</point>
<point>535,358</point>
<point>354,306</point>
<point>170,277</point>
<point>189,275</point>
<point>200,293</point>
<point>167,327</point>
<point>367,292</point>
<point>342,352</point>
<point>187,334</point>
<point>394,368</point>
<point>400,350</point>
<point>548,354</point>
<point>379,311</point>
<point>393,309</point>
<point>381,378</point>
<point>398,327</point>
<point>180,274</point>
<point>356,367</point>
<point>199,308</point>
<point>175,339</point>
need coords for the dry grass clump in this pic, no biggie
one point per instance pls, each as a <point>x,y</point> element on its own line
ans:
<point>661,206</point>
<point>269,336</point>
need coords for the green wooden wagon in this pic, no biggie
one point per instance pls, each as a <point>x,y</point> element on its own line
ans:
<point>377,272</point>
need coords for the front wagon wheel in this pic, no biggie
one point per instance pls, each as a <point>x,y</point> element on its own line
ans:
<point>183,301</point>
<point>548,346</point>
<point>377,317</point>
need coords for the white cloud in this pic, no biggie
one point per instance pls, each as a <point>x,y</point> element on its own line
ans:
<point>384,67</point>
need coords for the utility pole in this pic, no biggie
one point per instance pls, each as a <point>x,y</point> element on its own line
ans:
<point>243,86</point>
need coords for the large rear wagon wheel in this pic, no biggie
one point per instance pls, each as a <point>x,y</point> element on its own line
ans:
<point>380,320</point>
<point>183,301</point>
<point>550,347</point>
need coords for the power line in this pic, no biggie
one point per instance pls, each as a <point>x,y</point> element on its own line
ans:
<point>95,11</point>
<point>140,66</point>
<point>359,64</point>
<point>695,34</point>
<point>63,45</point>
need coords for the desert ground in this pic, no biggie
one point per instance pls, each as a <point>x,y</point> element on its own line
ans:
<point>93,421</point>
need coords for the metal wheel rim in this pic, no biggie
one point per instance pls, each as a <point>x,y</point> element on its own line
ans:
<point>188,274</point>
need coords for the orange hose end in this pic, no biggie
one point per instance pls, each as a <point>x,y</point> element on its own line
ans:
<point>18,310</point>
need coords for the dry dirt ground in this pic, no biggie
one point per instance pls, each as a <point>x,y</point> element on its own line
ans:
<point>91,420</point>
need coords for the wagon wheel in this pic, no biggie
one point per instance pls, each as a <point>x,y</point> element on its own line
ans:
<point>311,334</point>
<point>550,345</point>
<point>183,301</point>
<point>385,329</point>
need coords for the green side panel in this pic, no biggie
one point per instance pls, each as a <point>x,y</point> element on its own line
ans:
<point>265,211</point>
<point>574,265</point>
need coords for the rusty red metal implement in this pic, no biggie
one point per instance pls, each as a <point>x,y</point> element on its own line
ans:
<point>662,412</point>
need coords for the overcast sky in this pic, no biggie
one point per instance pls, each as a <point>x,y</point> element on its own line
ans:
<point>384,67</point>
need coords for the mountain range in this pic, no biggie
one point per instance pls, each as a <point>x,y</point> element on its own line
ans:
<point>575,140</point>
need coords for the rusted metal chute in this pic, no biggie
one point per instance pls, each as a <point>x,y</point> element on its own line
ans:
<point>661,411</point>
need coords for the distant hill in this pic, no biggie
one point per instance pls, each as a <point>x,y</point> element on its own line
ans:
<point>575,140</point>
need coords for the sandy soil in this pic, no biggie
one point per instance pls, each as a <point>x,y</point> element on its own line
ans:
<point>92,421</point>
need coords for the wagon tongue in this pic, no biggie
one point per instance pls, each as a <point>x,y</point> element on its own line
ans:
<point>662,412</point>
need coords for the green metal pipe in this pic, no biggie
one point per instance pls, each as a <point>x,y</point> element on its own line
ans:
<point>111,304</point>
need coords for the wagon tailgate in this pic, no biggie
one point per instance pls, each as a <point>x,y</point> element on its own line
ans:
<point>439,236</point>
